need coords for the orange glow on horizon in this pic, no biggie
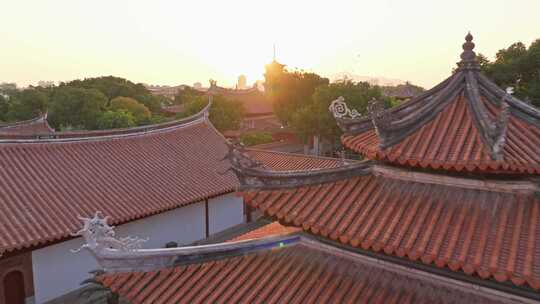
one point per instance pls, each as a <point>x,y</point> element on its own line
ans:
<point>175,43</point>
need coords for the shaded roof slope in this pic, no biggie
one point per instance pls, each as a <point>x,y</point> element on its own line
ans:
<point>35,126</point>
<point>289,272</point>
<point>281,161</point>
<point>464,123</point>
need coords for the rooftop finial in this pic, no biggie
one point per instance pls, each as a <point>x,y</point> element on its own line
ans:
<point>469,37</point>
<point>468,53</point>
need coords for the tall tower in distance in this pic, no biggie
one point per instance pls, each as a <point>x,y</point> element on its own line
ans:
<point>242,83</point>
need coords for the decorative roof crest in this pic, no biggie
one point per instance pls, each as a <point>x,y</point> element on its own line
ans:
<point>468,56</point>
<point>238,157</point>
<point>100,236</point>
<point>339,109</point>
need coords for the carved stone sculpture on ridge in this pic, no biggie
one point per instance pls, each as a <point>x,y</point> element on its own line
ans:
<point>98,236</point>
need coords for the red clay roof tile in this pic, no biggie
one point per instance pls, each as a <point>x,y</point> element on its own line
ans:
<point>451,142</point>
<point>492,234</point>
<point>46,184</point>
<point>271,229</point>
<point>291,274</point>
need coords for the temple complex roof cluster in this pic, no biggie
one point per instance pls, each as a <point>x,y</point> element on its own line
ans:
<point>445,207</point>
<point>483,223</point>
<point>125,173</point>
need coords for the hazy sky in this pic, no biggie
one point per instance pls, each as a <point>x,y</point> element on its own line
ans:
<point>174,42</point>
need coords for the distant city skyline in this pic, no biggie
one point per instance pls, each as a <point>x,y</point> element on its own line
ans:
<point>164,43</point>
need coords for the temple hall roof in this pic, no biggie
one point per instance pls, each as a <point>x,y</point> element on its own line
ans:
<point>45,184</point>
<point>480,227</point>
<point>288,269</point>
<point>466,123</point>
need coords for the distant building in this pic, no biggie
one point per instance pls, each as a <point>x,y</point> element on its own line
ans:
<point>167,91</point>
<point>242,83</point>
<point>403,91</point>
<point>259,84</point>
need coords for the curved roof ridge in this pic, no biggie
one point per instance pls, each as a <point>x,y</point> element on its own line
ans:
<point>252,174</point>
<point>201,116</point>
<point>19,123</point>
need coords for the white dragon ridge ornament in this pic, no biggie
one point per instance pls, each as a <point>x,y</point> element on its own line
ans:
<point>339,109</point>
<point>100,236</point>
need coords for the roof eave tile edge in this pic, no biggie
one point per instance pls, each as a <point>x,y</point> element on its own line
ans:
<point>411,272</point>
<point>524,186</point>
<point>67,236</point>
<point>200,117</point>
<point>37,119</point>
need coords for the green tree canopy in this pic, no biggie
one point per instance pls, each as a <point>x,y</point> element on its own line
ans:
<point>116,119</point>
<point>153,102</point>
<point>4,107</point>
<point>224,114</point>
<point>290,91</point>
<point>8,88</point>
<point>77,108</point>
<point>111,86</point>
<point>516,66</point>
<point>26,104</point>
<point>316,119</point>
<point>139,111</point>
<point>256,138</point>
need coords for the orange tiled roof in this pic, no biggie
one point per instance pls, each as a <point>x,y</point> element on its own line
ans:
<point>126,173</point>
<point>477,231</point>
<point>271,229</point>
<point>451,142</point>
<point>284,145</point>
<point>281,161</point>
<point>46,185</point>
<point>292,274</point>
<point>465,123</point>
